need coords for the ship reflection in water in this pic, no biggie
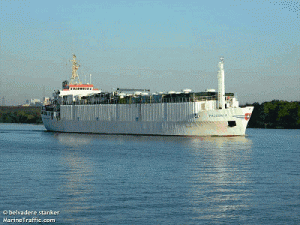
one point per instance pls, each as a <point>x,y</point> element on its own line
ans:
<point>219,181</point>
<point>77,176</point>
<point>78,139</point>
<point>73,140</point>
<point>211,174</point>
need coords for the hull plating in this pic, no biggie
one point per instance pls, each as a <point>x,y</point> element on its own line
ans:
<point>187,122</point>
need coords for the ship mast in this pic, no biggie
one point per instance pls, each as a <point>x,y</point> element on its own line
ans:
<point>75,67</point>
<point>221,84</point>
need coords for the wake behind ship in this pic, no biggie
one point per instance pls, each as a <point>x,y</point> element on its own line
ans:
<point>81,108</point>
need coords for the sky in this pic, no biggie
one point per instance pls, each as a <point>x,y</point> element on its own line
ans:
<point>156,45</point>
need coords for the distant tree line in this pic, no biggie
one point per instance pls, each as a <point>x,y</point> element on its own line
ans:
<point>275,114</point>
<point>20,114</point>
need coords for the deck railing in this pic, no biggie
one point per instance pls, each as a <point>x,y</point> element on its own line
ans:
<point>138,100</point>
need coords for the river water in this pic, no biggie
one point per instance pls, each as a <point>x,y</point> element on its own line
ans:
<point>61,178</point>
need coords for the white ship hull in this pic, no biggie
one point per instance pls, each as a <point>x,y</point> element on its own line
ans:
<point>186,119</point>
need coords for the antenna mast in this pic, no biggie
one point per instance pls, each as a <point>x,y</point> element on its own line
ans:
<point>75,67</point>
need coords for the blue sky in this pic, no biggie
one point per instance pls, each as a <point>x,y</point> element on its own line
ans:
<point>161,45</point>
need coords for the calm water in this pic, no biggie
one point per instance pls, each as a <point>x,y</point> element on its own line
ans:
<point>104,179</point>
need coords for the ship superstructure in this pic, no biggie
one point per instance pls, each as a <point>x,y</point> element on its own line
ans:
<point>81,108</point>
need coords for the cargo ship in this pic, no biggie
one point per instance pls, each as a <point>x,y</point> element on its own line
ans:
<point>81,108</point>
